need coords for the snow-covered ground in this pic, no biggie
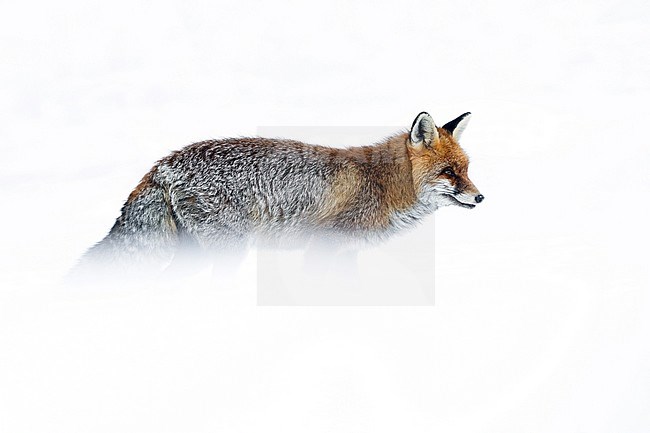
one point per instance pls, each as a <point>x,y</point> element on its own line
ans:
<point>542,316</point>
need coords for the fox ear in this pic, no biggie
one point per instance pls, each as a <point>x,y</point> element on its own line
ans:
<point>423,131</point>
<point>458,125</point>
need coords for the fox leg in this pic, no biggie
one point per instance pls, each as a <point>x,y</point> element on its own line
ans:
<point>188,260</point>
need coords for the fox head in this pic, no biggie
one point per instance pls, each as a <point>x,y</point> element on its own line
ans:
<point>439,164</point>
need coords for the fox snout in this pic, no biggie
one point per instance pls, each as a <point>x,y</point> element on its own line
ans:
<point>466,192</point>
<point>467,198</point>
<point>470,194</point>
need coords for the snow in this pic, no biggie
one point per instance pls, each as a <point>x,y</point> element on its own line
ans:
<point>541,317</point>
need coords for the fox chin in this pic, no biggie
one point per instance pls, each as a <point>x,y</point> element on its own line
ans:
<point>223,195</point>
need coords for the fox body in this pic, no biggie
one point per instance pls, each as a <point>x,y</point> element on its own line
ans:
<point>220,195</point>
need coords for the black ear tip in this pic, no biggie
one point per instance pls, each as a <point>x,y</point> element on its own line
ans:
<point>450,126</point>
<point>417,117</point>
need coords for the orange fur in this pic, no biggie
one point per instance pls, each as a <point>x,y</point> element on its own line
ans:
<point>432,160</point>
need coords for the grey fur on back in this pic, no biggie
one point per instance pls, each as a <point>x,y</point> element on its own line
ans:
<point>224,191</point>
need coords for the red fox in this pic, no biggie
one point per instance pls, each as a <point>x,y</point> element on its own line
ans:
<point>220,195</point>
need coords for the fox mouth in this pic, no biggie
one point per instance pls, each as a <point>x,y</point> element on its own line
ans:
<point>460,203</point>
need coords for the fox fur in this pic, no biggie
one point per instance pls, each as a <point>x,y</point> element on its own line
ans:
<point>221,195</point>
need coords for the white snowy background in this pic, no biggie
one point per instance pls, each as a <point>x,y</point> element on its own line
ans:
<point>542,316</point>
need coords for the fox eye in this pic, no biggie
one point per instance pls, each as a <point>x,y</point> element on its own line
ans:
<point>448,172</point>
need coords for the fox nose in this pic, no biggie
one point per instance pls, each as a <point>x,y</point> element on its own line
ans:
<point>479,198</point>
